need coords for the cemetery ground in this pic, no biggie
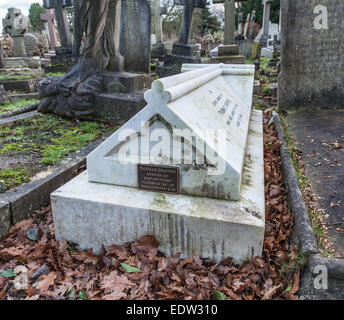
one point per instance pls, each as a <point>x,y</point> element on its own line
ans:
<point>30,146</point>
<point>35,266</point>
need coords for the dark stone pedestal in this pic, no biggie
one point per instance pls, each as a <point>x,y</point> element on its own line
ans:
<point>158,51</point>
<point>107,96</point>
<point>118,107</point>
<point>57,68</point>
<point>63,55</point>
<point>229,54</point>
<point>181,53</point>
<point>122,82</point>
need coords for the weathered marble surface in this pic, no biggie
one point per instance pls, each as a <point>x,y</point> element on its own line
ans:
<point>215,97</point>
<point>95,214</point>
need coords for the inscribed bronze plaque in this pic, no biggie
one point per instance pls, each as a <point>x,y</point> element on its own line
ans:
<point>158,178</point>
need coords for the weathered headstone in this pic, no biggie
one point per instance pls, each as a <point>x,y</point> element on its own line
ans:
<point>266,22</point>
<point>192,177</point>
<point>135,44</point>
<point>3,95</point>
<point>229,52</point>
<point>158,48</point>
<point>246,25</point>
<point>312,49</point>
<point>252,21</point>
<point>64,52</point>
<point>50,17</point>
<point>183,51</point>
<point>16,25</point>
<point>240,21</point>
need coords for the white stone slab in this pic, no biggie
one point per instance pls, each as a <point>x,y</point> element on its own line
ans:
<point>93,214</point>
<point>199,102</point>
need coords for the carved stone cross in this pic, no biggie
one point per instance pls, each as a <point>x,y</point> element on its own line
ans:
<point>61,18</point>
<point>229,19</point>
<point>189,6</point>
<point>50,17</point>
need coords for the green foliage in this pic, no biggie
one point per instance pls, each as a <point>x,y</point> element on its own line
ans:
<point>14,177</point>
<point>41,141</point>
<point>130,269</point>
<point>8,273</point>
<point>219,295</point>
<point>210,24</point>
<point>8,106</point>
<point>35,16</point>
<point>250,5</point>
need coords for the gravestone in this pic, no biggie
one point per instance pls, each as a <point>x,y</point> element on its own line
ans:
<point>158,48</point>
<point>229,52</point>
<point>64,52</point>
<point>191,177</point>
<point>49,16</point>
<point>252,21</point>
<point>246,25</point>
<point>135,44</point>
<point>16,25</point>
<point>312,65</point>
<point>3,95</point>
<point>266,22</point>
<point>183,51</point>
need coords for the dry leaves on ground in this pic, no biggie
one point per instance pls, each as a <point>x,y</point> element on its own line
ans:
<point>139,271</point>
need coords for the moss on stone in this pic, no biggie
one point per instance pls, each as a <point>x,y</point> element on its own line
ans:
<point>13,177</point>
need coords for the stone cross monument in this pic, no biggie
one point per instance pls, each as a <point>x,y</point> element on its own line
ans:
<point>229,19</point>
<point>253,17</point>
<point>61,18</point>
<point>50,17</point>
<point>240,21</point>
<point>64,52</point>
<point>182,52</point>
<point>246,25</point>
<point>229,52</point>
<point>16,25</point>
<point>157,11</point>
<point>266,21</point>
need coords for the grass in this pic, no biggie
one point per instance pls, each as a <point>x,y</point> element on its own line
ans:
<point>13,177</point>
<point>55,74</point>
<point>43,141</point>
<point>8,106</point>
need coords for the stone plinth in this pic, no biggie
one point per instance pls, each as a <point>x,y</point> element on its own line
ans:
<point>94,214</point>
<point>181,53</point>
<point>63,55</point>
<point>118,107</point>
<point>228,54</point>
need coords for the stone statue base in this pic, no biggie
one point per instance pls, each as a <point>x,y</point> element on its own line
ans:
<point>181,53</point>
<point>63,55</point>
<point>86,94</point>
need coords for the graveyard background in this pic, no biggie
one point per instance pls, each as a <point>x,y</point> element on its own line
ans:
<point>35,148</point>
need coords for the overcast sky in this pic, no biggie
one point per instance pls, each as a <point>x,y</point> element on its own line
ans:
<point>23,5</point>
